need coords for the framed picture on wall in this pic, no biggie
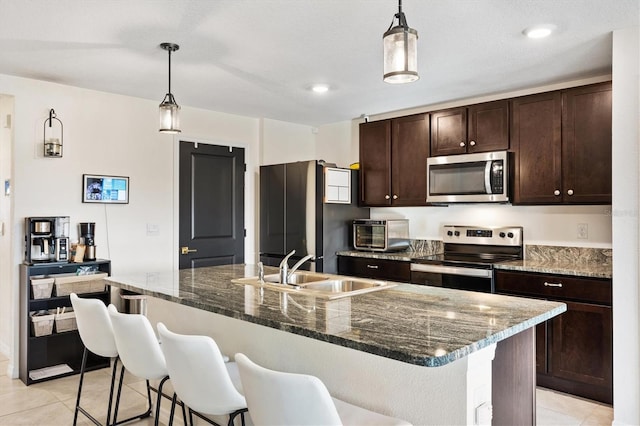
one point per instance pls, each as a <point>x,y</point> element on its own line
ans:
<point>105,189</point>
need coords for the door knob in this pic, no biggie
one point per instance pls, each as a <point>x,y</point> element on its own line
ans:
<point>187,250</point>
<point>472,143</point>
<point>462,143</point>
<point>570,192</point>
<point>386,197</point>
<point>395,197</point>
<point>556,192</point>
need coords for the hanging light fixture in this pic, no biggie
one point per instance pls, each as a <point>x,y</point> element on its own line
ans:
<point>53,135</point>
<point>169,109</point>
<point>400,51</point>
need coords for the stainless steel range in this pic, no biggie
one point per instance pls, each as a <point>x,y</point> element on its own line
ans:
<point>468,258</point>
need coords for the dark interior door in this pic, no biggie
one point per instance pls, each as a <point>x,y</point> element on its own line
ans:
<point>211,205</point>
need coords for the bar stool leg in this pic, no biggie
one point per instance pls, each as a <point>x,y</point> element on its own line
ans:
<point>84,362</point>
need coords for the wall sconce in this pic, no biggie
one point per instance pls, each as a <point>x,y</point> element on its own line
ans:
<point>52,136</point>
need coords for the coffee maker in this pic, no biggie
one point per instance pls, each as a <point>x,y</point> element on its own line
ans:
<point>87,233</point>
<point>46,239</point>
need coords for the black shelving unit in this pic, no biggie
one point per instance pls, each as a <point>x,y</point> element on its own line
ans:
<point>56,348</point>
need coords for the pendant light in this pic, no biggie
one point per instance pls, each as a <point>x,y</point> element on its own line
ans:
<point>169,109</point>
<point>400,45</point>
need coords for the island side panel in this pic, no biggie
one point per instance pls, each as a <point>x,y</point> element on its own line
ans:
<point>514,380</point>
<point>420,395</point>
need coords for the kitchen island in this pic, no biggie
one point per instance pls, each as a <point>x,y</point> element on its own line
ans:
<point>372,349</point>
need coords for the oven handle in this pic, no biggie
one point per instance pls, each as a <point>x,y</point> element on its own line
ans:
<point>451,270</point>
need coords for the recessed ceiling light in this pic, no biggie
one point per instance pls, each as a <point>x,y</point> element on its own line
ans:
<point>320,88</point>
<point>539,31</point>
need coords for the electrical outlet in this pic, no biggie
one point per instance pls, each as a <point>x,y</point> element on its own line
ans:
<point>583,231</point>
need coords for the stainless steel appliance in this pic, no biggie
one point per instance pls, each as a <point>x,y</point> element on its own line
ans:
<point>87,233</point>
<point>468,178</point>
<point>381,234</point>
<point>46,239</point>
<point>468,258</point>
<point>293,216</point>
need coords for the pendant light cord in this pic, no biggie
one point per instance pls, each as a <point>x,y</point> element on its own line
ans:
<point>169,71</point>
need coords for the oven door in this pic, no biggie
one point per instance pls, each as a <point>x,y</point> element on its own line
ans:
<point>456,277</point>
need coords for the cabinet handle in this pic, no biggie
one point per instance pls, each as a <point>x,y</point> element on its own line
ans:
<point>556,192</point>
<point>395,197</point>
<point>570,192</point>
<point>546,284</point>
<point>386,197</point>
<point>372,266</point>
<point>472,143</point>
<point>462,144</point>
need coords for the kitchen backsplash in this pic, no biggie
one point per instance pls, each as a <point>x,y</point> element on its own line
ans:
<point>568,254</point>
<point>426,247</point>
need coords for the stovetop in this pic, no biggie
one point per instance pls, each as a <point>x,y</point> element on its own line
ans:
<point>476,246</point>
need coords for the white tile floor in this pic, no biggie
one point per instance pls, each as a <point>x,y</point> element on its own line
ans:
<point>52,403</point>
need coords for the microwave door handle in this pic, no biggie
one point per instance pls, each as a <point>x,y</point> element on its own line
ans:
<point>487,177</point>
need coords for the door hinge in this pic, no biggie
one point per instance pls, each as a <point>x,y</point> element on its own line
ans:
<point>245,233</point>
<point>245,167</point>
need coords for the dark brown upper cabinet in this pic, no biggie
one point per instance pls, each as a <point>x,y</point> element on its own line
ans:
<point>562,145</point>
<point>476,128</point>
<point>393,161</point>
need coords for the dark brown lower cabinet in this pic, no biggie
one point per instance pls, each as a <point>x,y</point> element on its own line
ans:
<point>574,351</point>
<point>381,269</point>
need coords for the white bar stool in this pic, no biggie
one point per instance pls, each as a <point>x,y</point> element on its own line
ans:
<point>139,353</point>
<point>201,378</point>
<point>96,333</point>
<point>288,399</point>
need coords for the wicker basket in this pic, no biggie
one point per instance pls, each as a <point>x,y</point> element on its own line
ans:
<point>41,287</point>
<point>66,322</point>
<point>42,325</point>
<point>80,284</point>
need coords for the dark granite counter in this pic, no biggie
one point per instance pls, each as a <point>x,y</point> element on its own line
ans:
<point>574,261</point>
<point>420,325</point>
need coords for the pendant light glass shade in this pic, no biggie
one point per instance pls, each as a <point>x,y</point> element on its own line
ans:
<point>400,44</point>
<point>169,109</point>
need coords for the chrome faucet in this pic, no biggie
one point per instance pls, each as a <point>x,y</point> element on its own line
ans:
<point>285,272</point>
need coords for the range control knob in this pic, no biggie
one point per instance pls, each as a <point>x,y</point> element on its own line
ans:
<point>502,235</point>
<point>457,233</point>
<point>449,233</point>
<point>510,235</point>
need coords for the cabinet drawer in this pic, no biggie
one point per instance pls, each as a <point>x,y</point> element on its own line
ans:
<point>394,270</point>
<point>560,287</point>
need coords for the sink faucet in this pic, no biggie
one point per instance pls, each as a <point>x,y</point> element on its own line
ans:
<point>285,272</point>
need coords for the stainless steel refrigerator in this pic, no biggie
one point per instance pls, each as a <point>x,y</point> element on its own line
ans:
<point>293,216</point>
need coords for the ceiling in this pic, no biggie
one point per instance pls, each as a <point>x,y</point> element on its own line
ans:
<point>259,57</point>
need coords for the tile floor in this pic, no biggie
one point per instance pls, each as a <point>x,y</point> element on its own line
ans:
<point>52,402</point>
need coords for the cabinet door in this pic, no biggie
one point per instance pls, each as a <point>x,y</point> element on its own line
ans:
<point>382,269</point>
<point>536,140</point>
<point>409,152</point>
<point>375,163</point>
<point>489,127</point>
<point>449,132</point>
<point>582,348</point>
<point>272,205</point>
<point>586,144</point>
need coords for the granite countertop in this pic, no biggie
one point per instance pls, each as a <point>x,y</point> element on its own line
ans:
<point>560,267</point>
<point>580,262</point>
<point>422,325</point>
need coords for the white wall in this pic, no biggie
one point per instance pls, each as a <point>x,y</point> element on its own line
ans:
<point>6,263</point>
<point>107,134</point>
<point>626,297</point>
<point>551,225</point>
<point>284,142</point>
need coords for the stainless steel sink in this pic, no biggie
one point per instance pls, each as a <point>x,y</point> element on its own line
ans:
<point>297,278</point>
<point>344,286</point>
<point>318,285</point>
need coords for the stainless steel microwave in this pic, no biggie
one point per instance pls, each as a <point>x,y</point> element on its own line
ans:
<point>468,178</point>
<point>381,235</point>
